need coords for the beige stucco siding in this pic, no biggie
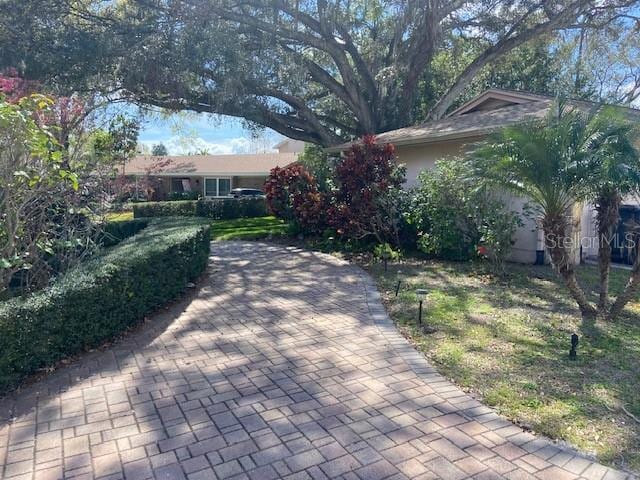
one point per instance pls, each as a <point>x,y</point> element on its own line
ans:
<point>417,158</point>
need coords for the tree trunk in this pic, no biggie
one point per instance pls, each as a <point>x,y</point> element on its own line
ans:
<point>559,243</point>
<point>607,217</point>
<point>630,289</point>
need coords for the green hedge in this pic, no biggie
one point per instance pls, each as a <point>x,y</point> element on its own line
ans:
<point>102,297</point>
<point>220,209</point>
<point>230,208</point>
<point>176,196</point>
<point>115,232</point>
<point>181,208</point>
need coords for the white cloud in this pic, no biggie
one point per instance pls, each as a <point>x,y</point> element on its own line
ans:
<point>191,145</point>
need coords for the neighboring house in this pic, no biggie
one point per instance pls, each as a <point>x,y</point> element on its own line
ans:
<point>210,176</point>
<point>288,145</point>
<point>420,146</point>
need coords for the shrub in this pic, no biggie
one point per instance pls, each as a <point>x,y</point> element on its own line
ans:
<point>185,208</point>
<point>176,196</point>
<point>98,299</point>
<point>497,227</point>
<point>218,209</point>
<point>366,203</point>
<point>115,232</point>
<point>319,164</point>
<point>45,227</point>
<point>384,251</point>
<point>456,220</point>
<point>292,194</point>
<point>230,208</point>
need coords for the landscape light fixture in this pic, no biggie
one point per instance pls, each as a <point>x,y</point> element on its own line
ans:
<point>421,293</point>
<point>399,273</point>
<point>573,354</point>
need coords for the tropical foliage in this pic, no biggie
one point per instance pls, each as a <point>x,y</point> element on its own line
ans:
<point>457,220</point>
<point>292,194</point>
<point>366,201</point>
<point>567,158</point>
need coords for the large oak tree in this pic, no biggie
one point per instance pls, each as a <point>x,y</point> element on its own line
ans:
<point>315,70</point>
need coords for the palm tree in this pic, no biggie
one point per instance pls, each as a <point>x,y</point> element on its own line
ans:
<point>557,163</point>
<point>543,161</point>
<point>612,174</point>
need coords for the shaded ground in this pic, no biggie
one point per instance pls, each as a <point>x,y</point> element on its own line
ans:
<point>283,365</point>
<point>509,339</point>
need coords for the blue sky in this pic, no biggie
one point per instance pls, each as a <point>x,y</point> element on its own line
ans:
<point>185,133</point>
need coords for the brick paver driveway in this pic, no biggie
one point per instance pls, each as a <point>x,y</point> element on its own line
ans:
<point>282,365</point>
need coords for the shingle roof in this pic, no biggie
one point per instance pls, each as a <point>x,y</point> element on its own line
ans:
<point>476,123</point>
<point>230,165</point>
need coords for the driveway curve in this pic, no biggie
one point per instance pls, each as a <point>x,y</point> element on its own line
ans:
<point>282,364</point>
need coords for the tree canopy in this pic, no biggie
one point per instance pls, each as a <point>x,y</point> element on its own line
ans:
<point>313,70</point>
<point>159,150</point>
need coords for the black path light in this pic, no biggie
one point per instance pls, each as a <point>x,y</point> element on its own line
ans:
<point>399,274</point>
<point>573,354</point>
<point>421,293</point>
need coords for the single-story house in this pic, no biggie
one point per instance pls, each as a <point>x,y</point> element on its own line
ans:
<point>419,147</point>
<point>209,176</point>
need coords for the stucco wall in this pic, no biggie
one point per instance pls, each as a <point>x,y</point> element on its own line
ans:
<point>422,157</point>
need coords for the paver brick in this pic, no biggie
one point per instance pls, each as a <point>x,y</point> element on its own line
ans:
<point>282,364</point>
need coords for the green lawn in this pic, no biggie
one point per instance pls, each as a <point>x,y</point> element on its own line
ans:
<point>119,216</point>
<point>248,228</point>
<point>508,341</point>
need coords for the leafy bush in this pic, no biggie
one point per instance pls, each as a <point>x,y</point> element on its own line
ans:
<point>319,164</point>
<point>497,229</point>
<point>219,209</point>
<point>384,251</point>
<point>292,194</point>
<point>185,208</point>
<point>44,229</point>
<point>456,220</point>
<point>100,298</point>
<point>176,196</point>
<point>115,232</point>
<point>230,208</point>
<point>366,203</point>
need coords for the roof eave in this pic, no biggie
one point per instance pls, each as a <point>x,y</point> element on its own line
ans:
<point>474,133</point>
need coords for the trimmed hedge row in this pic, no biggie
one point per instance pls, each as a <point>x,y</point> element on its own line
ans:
<point>102,297</point>
<point>230,208</point>
<point>115,232</point>
<point>178,208</point>
<point>219,209</point>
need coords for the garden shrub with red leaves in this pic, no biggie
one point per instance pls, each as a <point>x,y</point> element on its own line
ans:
<point>366,203</point>
<point>292,194</point>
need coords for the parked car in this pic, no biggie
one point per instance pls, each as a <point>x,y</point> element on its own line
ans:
<point>247,193</point>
